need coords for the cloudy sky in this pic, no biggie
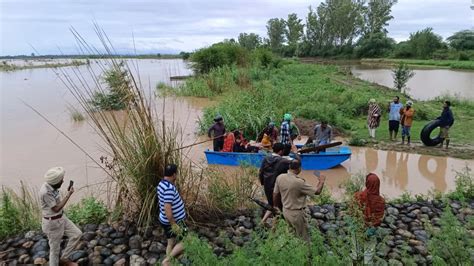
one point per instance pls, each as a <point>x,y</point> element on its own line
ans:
<point>167,26</point>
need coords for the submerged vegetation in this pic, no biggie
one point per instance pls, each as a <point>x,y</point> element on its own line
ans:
<point>7,66</point>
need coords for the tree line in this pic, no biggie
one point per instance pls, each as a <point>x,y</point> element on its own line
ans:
<point>354,29</point>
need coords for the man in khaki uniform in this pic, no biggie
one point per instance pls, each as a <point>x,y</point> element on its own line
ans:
<point>54,223</point>
<point>293,190</point>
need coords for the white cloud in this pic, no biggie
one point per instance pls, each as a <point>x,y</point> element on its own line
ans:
<point>175,25</point>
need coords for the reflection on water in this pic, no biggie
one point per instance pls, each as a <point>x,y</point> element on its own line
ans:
<point>426,84</point>
<point>29,146</point>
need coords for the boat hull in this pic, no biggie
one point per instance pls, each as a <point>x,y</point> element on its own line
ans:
<point>320,161</point>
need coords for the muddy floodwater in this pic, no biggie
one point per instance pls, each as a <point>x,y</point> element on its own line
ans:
<point>29,145</point>
<point>426,84</point>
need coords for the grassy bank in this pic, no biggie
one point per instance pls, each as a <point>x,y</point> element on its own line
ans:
<point>314,92</point>
<point>450,64</point>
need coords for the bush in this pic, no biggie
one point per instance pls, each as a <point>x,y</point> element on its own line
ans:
<point>464,189</point>
<point>116,97</point>
<point>451,245</point>
<point>463,57</point>
<point>218,55</point>
<point>88,211</point>
<point>19,212</point>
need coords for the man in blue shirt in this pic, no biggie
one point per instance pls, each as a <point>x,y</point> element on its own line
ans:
<point>394,117</point>
<point>172,213</point>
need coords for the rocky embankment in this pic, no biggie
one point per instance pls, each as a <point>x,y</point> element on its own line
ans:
<point>123,244</point>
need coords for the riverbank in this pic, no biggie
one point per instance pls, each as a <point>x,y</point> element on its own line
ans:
<point>408,234</point>
<point>313,92</point>
<point>418,63</point>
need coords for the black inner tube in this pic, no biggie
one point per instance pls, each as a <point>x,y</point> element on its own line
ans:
<point>426,132</point>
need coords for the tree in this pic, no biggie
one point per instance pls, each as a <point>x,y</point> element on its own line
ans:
<point>462,40</point>
<point>376,16</point>
<point>249,41</point>
<point>401,75</point>
<point>294,32</point>
<point>424,43</point>
<point>374,45</point>
<point>276,34</point>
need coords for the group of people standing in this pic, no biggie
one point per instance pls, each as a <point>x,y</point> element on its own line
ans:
<point>399,115</point>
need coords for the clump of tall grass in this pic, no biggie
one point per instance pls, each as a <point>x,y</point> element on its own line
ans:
<point>464,189</point>
<point>76,115</point>
<point>353,184</point>
<point>19,211</point>
<point>139,141</point>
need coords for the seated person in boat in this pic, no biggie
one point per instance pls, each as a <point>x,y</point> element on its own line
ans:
<point>271,131</point>
<point>240,144</point>
<point>229,142</point>
<point>322,134</point>
<point>265,145</point>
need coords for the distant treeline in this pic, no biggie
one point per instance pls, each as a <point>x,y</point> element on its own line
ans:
<point>354,29</point>
<point>140,56</point>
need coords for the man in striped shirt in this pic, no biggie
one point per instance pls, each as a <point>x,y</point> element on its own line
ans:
<point>172,213</point>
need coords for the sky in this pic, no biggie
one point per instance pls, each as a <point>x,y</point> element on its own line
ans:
<point>171,26</point>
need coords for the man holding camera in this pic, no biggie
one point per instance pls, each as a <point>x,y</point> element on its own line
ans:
<point>54,223</point>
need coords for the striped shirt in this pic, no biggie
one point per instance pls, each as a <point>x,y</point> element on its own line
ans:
<point>285,133</point>
<point>167,193</point>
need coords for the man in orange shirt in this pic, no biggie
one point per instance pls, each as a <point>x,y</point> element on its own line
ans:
<point>406,120</point>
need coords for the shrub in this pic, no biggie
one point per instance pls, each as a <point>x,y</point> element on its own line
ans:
<point>116,97</point>
<point>357,141</point>
<point>353,184</point>
<point>88,211</point>
<point>19,212</point>
<point>218,55</point>
<point>401,75</point>
<point>464,189</point>
<point>463,57</point>
<point>451,245</point>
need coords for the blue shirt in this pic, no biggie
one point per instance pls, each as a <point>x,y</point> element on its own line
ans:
<point>167,193</point>
<point>395,111</point>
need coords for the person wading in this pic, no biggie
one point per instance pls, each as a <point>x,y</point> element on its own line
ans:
<point>406,121</point>
<point>54,223</point>
<point>446,122</point>
<point>372,206</point>
<point>217,132</point>
<point>172,213</point>
<point>292,190</point>
<point>394,117</point>
<point>373,117</point>
<point>267,174</point>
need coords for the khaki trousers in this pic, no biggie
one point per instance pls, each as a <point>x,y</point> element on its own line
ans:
<point>297,220</point>
<point>55,230</point>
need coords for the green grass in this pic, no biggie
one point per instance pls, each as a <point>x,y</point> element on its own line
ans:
<point>5,66</point>
<point>454,64</point>
<point>88,211</point>
<point>319,92</point>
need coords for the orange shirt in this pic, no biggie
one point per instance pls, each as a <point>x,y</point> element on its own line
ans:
<point>407,116</point>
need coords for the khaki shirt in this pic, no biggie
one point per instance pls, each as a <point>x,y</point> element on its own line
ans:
<point>293,191</point>
<point>49,197</point>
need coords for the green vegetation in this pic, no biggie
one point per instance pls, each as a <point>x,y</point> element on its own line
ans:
<point>421,63</point>
<point>451,244</point>
<point>116,97</point>
<point>88,211</point>
<point>401,75</point>
<point>5,66</point>
<point>76,115</point>
<point>19,212</point>
<point>464,185</point>
<point>315,92</point>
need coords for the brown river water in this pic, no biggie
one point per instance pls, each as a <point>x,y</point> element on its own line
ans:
<point>29,145</point>
<point>426,84</point>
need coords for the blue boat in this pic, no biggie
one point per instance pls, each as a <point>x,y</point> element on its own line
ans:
<point>310,161</point>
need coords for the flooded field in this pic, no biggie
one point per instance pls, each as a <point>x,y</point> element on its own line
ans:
<point>29,145</point>
<point>426,84</point>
